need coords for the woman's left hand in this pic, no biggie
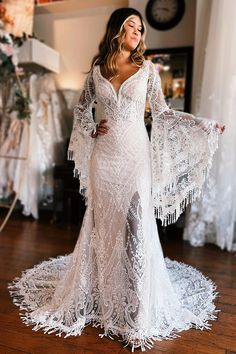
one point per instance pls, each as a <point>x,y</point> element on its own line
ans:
<point>220,127</point>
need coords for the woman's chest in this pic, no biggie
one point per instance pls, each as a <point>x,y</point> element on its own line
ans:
<point>127,89</point>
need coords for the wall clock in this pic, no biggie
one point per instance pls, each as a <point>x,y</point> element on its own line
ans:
<point>164,14</point>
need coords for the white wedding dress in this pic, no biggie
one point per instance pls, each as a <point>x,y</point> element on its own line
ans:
<point>117,276</point>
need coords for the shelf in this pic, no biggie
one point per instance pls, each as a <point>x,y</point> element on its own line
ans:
<point>64,6</point>
<point>34,54</point>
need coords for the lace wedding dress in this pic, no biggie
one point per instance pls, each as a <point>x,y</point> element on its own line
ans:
<point>117,276</point>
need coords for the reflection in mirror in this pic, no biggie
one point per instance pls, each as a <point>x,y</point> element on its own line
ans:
<point>175,68</point>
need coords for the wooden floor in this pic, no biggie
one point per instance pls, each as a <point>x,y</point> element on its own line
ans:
<point>25,242</point>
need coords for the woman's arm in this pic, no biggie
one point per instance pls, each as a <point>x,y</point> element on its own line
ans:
<point>83,117</point>
<point>161,110</point>
<point>81,141</point>
<point>182,148</point>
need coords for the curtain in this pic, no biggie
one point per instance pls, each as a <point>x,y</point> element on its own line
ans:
<point>212,218</point>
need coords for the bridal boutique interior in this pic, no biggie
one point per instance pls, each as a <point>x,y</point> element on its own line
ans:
<point>46,48</point>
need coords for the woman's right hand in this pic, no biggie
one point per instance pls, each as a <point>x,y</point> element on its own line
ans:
<point>102,129</point>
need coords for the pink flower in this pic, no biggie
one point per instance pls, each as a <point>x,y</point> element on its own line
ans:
<point>19,71</point>
<point>14,59</point>
<point>7,49</point>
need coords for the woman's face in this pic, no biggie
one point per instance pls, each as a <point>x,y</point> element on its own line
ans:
<point>133,27</point>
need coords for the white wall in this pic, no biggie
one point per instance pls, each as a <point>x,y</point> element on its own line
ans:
<point>76,36</point>
<point>180,36</point>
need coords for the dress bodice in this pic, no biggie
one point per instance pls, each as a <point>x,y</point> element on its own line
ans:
<point>128,104</point>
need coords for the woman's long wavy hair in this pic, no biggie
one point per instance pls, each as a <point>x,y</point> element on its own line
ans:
<point>113,43</point>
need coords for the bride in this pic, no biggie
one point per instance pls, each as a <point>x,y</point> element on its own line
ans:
<point>117,276</point>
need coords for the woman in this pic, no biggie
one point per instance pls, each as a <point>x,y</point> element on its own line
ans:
<point>117,276</point>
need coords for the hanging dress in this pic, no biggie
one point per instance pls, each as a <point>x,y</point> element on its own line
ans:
<point>117,276</point>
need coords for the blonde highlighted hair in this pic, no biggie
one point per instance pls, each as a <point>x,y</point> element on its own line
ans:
<point>113,43</point>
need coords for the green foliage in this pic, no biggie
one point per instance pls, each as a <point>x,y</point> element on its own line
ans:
<point>9,71</point>
<point>21,105</point>
<point>6,66</point>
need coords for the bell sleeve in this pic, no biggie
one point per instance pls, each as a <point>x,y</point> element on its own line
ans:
<point>81,143</point>
<point>182,149</point>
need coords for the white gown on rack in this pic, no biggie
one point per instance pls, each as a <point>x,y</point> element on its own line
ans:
<point>117,276</point>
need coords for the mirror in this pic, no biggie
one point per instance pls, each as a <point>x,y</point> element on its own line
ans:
<point>175,68</point>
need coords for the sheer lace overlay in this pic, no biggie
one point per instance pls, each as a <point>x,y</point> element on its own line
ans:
<point>182,148</point>
<point>81,142</point>
<point>117,276</point>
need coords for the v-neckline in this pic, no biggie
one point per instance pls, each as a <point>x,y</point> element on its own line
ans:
<point>117,92</point>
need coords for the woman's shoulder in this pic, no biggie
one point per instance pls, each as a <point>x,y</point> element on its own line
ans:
<point>92,71</point>
<point>148,63</point>
<point>150,66</point>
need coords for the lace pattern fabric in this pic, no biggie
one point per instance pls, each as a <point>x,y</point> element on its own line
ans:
<point>182,149</point>
<point>117,276</point>
<point>81,143</point>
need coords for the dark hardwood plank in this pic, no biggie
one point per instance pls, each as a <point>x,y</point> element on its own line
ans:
<point>8,350</point>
